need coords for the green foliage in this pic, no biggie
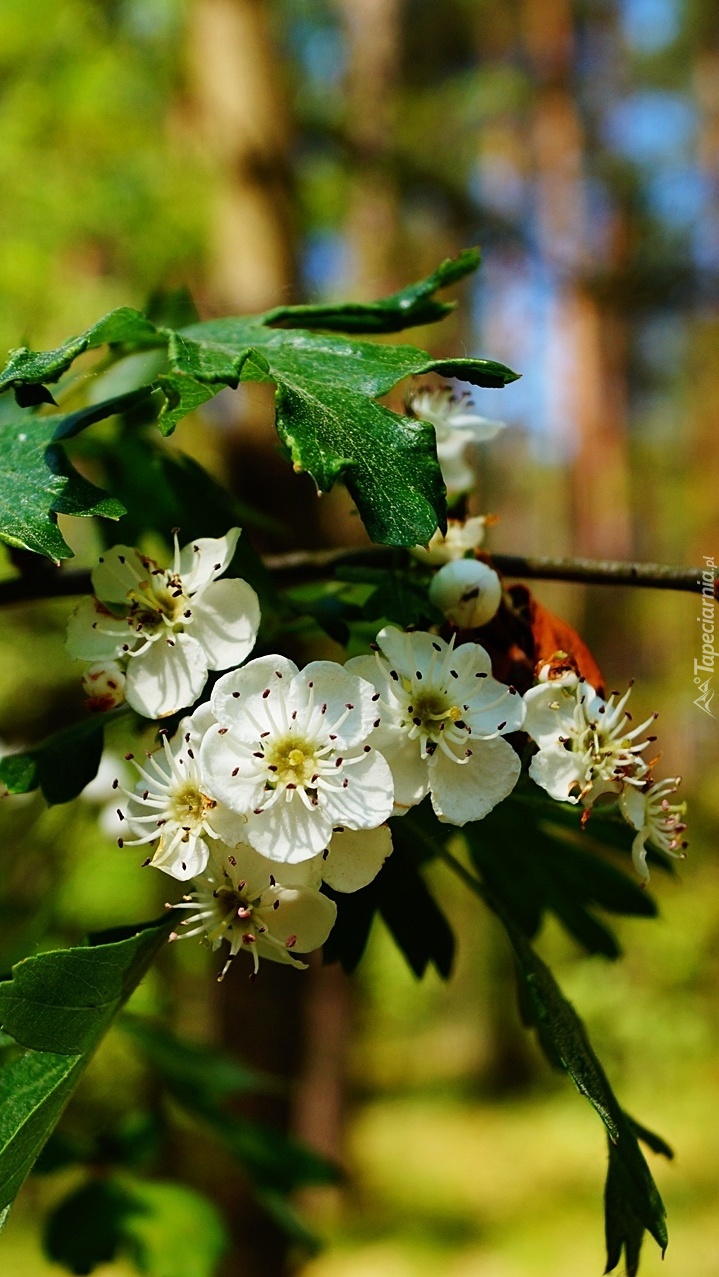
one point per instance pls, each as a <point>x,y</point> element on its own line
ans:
<point>59,1005</point>
<point>534,866</point>
<point>633,1205</point>
<point>326,387</point>
<point>62,765</point>
<point>38,482</point>
<point>408,308</point>
<point>201,1082</point>
<point>165,1229</point>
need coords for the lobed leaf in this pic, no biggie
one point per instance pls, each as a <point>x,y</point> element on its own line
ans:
<point>38,482</point>
<point>534,866</point>
<point>633,1205</point>
<point>408,308</point>
<point>326,387</point>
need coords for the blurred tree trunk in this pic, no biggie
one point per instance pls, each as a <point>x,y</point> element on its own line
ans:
<point>244,121</point>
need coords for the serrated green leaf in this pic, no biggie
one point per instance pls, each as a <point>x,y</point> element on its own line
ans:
<point>632,1201</point>
<point>28,367</point>
<point>59,1005</point>
<point>408,308</point>
<point>57,1001</point>
<point>326,387</point>
<point>336,434</point>
<point>62,765</point>
<point>38,482</point>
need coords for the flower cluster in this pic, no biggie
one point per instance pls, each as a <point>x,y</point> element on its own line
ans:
<point>589,750</point>
<point>284,779</point>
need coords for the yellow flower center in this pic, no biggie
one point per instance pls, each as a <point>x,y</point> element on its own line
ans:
<point>293,760</point>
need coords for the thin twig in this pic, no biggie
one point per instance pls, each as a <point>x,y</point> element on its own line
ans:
<point>312,565</point>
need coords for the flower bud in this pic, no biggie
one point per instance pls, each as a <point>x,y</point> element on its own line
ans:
<point>104,685</point>
<point>467,591</point>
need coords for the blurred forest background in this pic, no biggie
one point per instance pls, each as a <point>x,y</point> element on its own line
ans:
<point>266,151</point>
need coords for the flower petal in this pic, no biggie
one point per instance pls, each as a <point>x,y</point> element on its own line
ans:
<point>245,688</point>
<point>288,831</point>
<point>364,796</point>
<point>94,634</point>
<point>166,677</point>
<point>339,689</point>
<point>494,709</point>
<point>356,857</point>
<point>206,558</point>
<point>228,773</point>
<point>225,620</point>
<point>118,571</point>
<point>559,771</point>
<point>468,791</point>
<point>184,860</point>
<point>410,772</point>
<point>550,712</point>
<point>302,920</point>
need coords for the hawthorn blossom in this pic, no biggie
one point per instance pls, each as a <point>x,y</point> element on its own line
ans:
<point>170,806</point>
<point>238,899</point>
<point>587,746</point>
<point>462,537</point>
<point>467,591</point>
<point>442,716</point>
<point>169,626</point>
<point>458,427</point>
<point>657,820</point>
<point>290,752</point>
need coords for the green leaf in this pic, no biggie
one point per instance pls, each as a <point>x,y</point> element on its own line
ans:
<point>59,1005</point>
<point>170,1230</point>
<point>166,1229</point>
<point>201,1080</point>
<point>326,388</point>
<point>195,1073</point>
<point>37,481</point>
<point>408,308</point>
<point>62,765</point>
<point>534,866</point>
<point>32,368</point>
<point>85,1228</point>
<point>632,1201</point>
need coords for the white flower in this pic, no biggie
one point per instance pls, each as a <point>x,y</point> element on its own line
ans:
<point>169,625</point>
<point>656,819</point>
<point>587,746</point>
<point>104,685</point>
<point>290,749</point>
<point>467,591</point>
<point>442,715</point>
<point>171,806</point>
<point>463,536</point>
<point>458,426</point>
<point>239,900</point>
